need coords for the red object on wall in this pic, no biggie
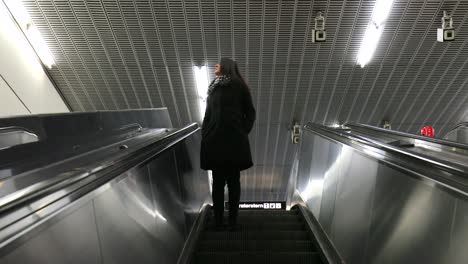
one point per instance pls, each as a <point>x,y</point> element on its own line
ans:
<point>428,131</point>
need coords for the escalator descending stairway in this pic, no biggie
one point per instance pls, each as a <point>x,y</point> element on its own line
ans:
<point>263,236</point>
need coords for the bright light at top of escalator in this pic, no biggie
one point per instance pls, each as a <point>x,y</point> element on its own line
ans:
<point>20,14</point>
<point>374,31</point>
<point>201,77</point>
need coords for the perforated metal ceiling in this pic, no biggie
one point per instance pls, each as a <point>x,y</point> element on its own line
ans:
<point>137,54</point>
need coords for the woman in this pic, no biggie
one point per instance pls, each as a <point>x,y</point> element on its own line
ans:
<point>225,147</point>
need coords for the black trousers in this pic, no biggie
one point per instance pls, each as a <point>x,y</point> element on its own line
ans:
<point>231,176</point>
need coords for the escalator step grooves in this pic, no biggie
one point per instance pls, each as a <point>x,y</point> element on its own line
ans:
<point>256,235</point>
<point>294,226</point>
<point>258,245</point>
<point>257,257</point>
<point>263,236</point>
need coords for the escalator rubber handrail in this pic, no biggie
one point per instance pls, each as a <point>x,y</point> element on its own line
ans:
<point>26,196</point>
<point>457,185</point>
<point>407,135</point>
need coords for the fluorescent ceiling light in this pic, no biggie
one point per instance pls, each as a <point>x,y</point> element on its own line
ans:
<point>31,32</point>
<point>374,31</point>
<point>201,77</point>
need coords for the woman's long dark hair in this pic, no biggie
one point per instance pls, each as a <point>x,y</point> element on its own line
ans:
<point>230,68</point>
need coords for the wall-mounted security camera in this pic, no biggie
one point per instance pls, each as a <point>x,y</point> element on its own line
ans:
<point>296,133</point>
<point>319,33</point>
<point>447,32</point>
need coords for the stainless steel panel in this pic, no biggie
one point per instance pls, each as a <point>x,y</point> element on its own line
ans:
<point>458,252</point>
<point>352,212</point>
<point>411,220</point>
<point>71,239</point>
<point>131,228</point>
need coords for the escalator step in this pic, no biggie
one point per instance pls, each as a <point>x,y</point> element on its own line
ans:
<point>265,219</point>
<point>266,226</point>
<point>257,245</point>
<point>256,235</point>
<point>257,258</point>
<point>270,217</point>
<point>267,212</point>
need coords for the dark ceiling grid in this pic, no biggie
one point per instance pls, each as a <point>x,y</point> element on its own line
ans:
<point>72,95</point>
<point>439,82</point>
<point>387,52</point>
<point>149,57</point>
<point>364,73</point>
<point>80,52</point>
<point>308,15</point>
<point>457,110</point>
<point>422,87</point>
<point>66,56</point>
<point>446,76</point>
<point>283,91</point>
<point>247,173</point>
<point>344,57</point>
<point>122,57</point>
<point>395,64</point>
<point>403,77</point>
<point>79,12</point>
<point>258,91</point>
<point>91,8</point>
<point>353,53</point>
<point>178,59</point>
<point>432,77</point>
<point>308,27</point>
<point>270,96</point>
<point>114,20</point>
<point>356,88</point>
<point>194,32</point>
<point>166,68</point>
<point>334,34</point>
<point>133,51</point>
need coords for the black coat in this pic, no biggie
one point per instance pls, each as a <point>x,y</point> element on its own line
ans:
<point>229,118</point>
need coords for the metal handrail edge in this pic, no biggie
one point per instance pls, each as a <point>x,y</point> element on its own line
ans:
<point>413,136</point>
<point>194,235</point>
<point>25,196</point>
<point>324,243</point>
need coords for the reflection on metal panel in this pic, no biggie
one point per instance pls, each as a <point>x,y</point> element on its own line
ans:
<point>130,227</point>
<point>61,241</point>
<point>330,183</point>
<point>411,220</point>
<point>352,216</point>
